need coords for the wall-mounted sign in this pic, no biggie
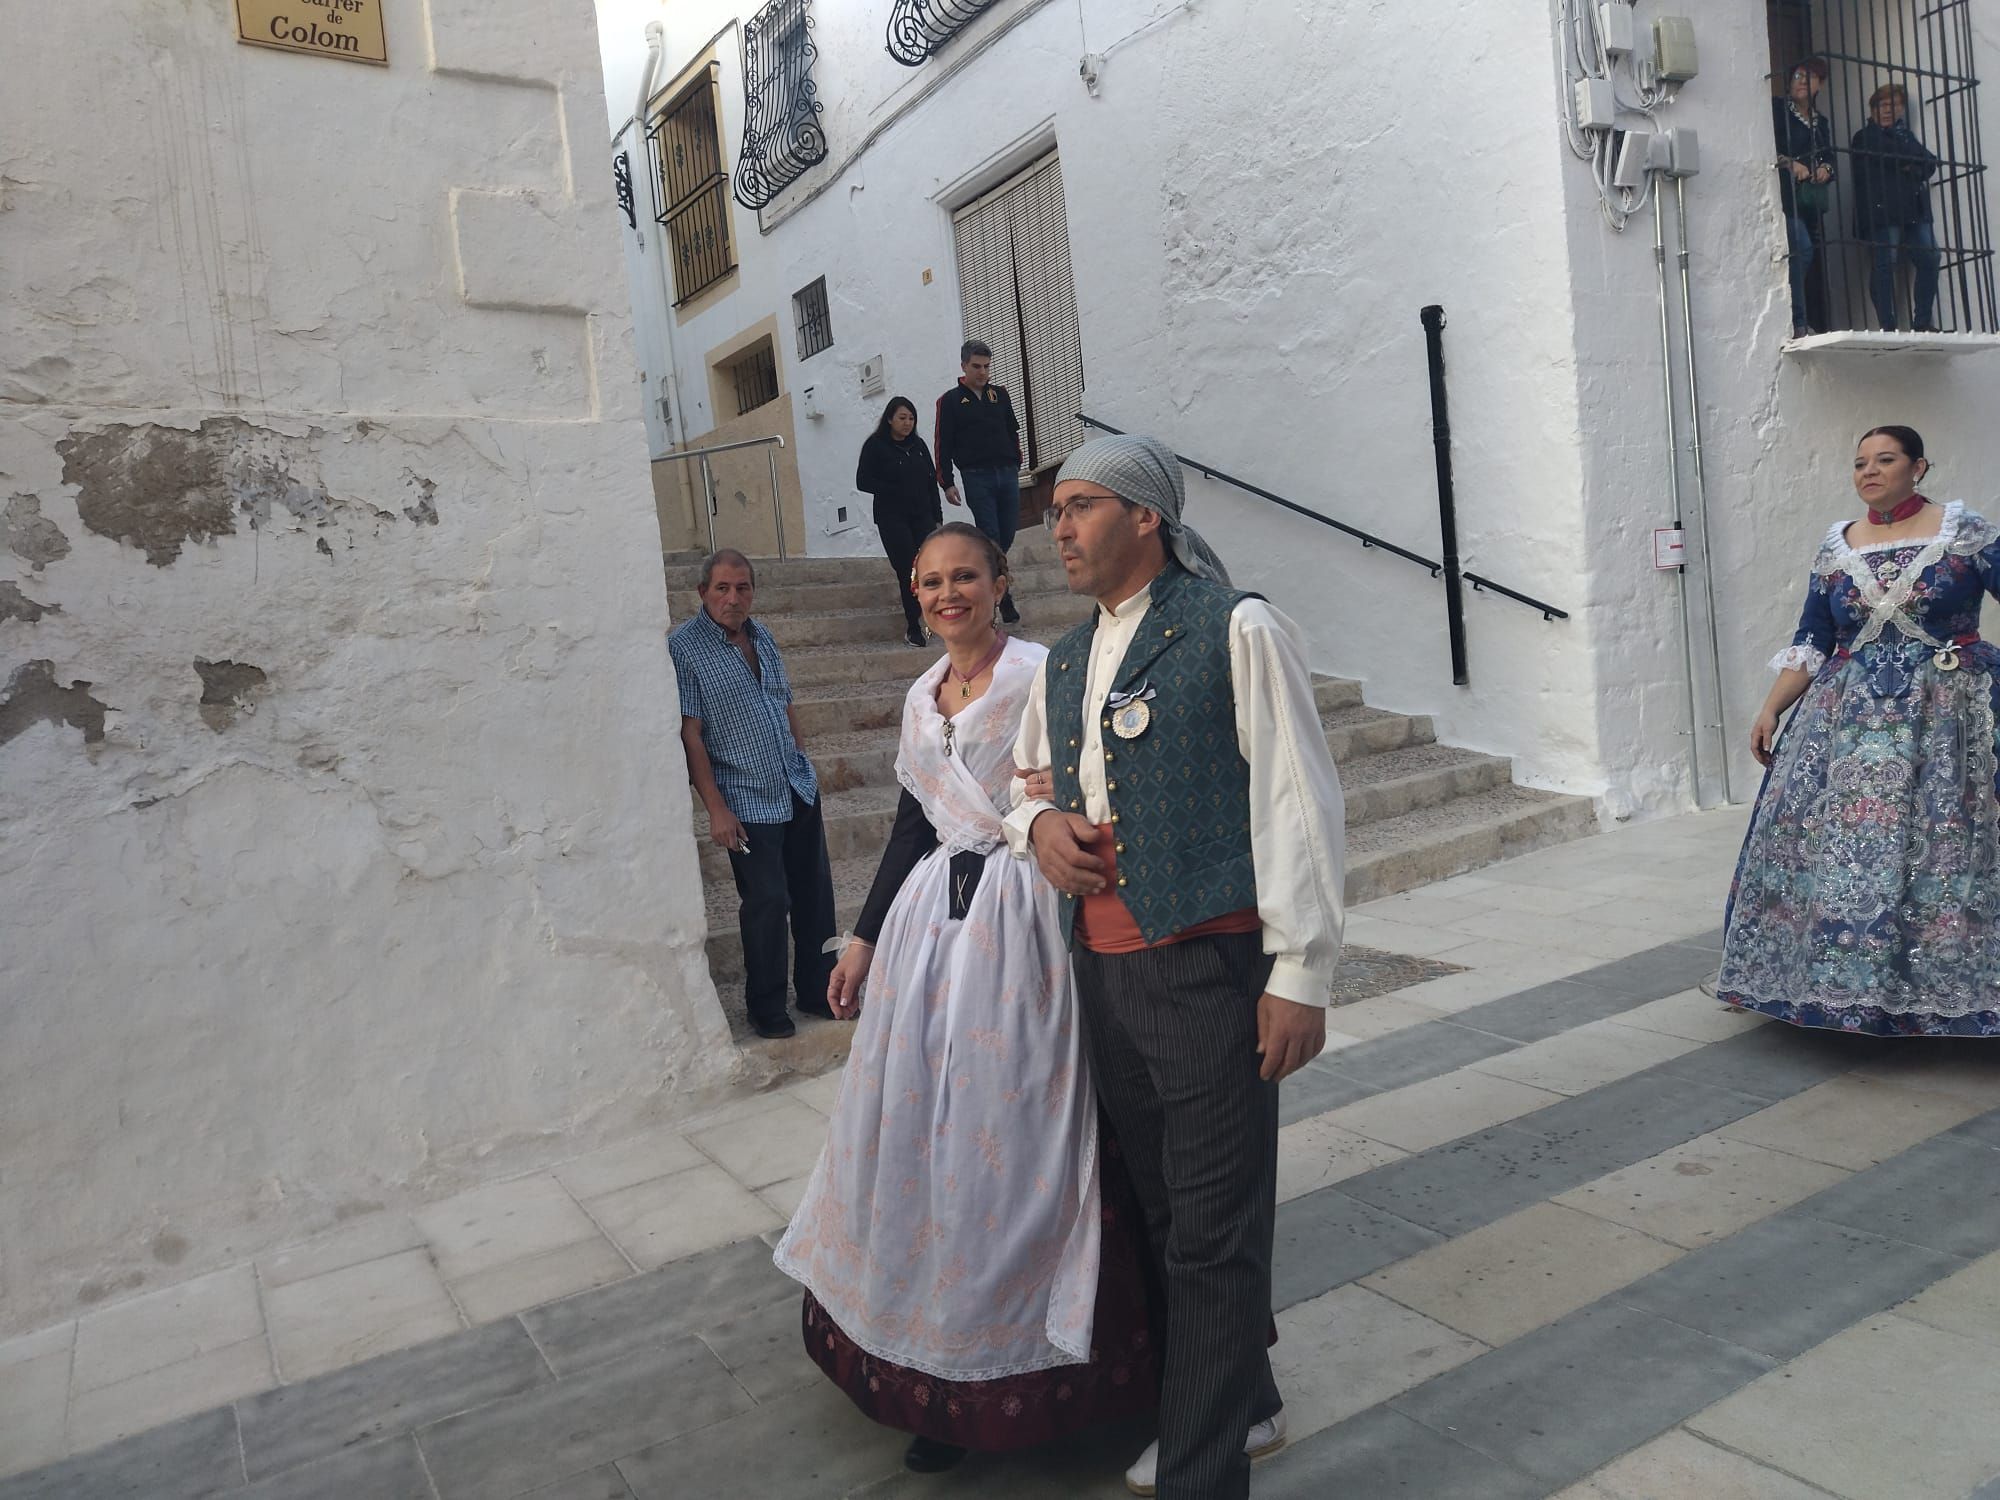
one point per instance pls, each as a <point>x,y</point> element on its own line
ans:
<point>1669,547</point>
<point>350,29</point>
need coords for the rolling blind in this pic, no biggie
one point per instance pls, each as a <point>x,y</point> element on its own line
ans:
<point>1018,296</point>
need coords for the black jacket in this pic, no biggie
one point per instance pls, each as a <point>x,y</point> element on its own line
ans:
<point>900,476</point>
<point>1809,145</point>
<point>976,430</point>
<point>1891,168</point>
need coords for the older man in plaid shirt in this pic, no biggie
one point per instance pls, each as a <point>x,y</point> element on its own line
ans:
<point>741,735</point>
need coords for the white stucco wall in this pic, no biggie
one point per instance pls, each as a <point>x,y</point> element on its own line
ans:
<point>1260,199</point>
<point>1257,210</point>
<point>317,398</point>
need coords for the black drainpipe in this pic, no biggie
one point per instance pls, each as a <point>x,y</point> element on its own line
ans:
<point>1454,590</point>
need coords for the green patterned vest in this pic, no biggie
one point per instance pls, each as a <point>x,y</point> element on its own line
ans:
<point>1180,789</point>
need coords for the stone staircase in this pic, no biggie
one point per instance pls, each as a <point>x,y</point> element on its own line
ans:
<point>1417,811</point>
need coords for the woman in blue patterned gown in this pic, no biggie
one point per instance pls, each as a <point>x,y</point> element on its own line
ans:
<point>1867,896</point>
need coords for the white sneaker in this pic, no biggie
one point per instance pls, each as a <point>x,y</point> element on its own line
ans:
<point>1265,1438</point>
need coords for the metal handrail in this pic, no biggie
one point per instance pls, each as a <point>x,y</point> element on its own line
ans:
<point>708,481</point>
<point>1367,539</point>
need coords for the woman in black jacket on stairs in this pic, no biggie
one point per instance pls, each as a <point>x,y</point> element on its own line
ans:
<point>896,469</point>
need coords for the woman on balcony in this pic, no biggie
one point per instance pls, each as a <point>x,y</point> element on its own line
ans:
<point>1805,174</point>
<point>973,1268</point>
<point>896,469</point>
<point>1867,897</point>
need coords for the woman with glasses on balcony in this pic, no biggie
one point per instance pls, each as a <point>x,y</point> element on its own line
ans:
<point>896,469</point>
<point>1867,896</point>
<point>1892,207</point>
<point>1805,174</point>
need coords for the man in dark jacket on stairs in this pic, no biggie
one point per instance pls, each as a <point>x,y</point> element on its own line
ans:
<point>979,435</point>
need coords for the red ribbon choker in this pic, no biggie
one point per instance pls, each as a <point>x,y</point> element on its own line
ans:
<point>1902,512</point>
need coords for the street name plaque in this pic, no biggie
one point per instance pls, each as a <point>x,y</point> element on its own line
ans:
<point>347,29</point>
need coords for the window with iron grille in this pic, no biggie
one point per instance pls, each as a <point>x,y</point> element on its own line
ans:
<point>1899,235</point>
<point>754,374</point>
<point>815,324</point>
<point>1019,297</point>
<point>782,138</point>
<point>917,28</point>
<point>690,190</point>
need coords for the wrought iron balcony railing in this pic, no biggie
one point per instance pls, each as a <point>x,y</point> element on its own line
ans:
<point>782,138</point>
<point>917,28</point>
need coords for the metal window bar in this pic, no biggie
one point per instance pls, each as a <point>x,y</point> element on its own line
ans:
<point>1925,47</point>
<point>1367,539</point>
<point>918,28</point>
<point>814,321</point>
<point>782,136</point>
<point>756,378</point>
<point>688,189</point>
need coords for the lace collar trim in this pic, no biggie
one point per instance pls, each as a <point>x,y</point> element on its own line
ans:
<point>1835,550</point>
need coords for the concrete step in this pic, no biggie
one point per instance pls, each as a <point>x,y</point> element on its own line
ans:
<point>883,624</point>
<point>849,706</point>
<point>1416,774</point>
<point>1383,857</point>
<point>1430,844</point>
<point>867,586</point>
<point>1031,549</point>
<point>873,665</point>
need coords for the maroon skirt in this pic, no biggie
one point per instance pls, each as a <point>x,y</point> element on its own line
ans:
<point>1121,1379</point>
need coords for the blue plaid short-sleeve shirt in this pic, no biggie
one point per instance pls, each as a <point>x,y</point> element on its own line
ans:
<point>743,725</point>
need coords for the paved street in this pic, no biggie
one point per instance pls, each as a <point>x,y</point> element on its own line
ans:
<point>1553,1224</point>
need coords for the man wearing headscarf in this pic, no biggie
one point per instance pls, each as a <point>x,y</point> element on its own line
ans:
<point>1194,828</point>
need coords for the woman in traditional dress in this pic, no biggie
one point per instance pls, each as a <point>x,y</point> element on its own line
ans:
<point>1867,896</point>
<point>973,1275</point>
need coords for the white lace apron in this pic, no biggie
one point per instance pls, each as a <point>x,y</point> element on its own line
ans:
<point>951,1224</point>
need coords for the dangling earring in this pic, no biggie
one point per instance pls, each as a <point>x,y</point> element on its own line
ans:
<point>996,617</point>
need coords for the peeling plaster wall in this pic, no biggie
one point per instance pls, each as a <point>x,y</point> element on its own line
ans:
<point>344,835</point>
<point>1259,202</point>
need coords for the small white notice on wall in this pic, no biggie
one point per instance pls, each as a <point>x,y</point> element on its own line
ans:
<point>1669,547</point>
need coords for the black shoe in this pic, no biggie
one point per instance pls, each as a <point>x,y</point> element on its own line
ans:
<point>814,1008</point>
<point>914,635</point>
<point>1008,614</point>
<point>929,1456</point>
<point>774,1031</point>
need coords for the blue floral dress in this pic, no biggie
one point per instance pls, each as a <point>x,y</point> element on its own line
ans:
<point>1867,896</point>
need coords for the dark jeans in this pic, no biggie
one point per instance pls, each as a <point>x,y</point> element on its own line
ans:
<point>902,533</point>
<point>1919,246</point>
<point>1172,1036</point>
<point>785,876</point>
<point>1805,248</point>
<point>995,498</point>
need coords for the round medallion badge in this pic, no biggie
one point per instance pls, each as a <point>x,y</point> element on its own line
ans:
<point>1130,720</point>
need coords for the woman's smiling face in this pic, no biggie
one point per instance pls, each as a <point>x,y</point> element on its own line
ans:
<point>956,588</point>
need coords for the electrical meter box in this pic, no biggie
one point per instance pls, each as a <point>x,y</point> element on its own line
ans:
<point>1674,55</point>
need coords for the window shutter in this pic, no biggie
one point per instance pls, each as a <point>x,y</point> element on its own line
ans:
<point>1049,331</point>
<point>1018,296</point>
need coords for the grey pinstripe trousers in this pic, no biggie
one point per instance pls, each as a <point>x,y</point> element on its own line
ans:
<point>1172,1034</point>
